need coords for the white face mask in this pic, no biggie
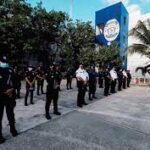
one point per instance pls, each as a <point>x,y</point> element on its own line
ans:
<point>4,65</point>
<point>30,69</point>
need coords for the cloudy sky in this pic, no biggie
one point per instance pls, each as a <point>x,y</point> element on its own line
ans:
<point>85,9</point>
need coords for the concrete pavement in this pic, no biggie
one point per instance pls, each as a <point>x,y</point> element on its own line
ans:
<point>118,122</point>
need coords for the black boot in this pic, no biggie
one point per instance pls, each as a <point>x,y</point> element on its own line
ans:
<point>57,113</point>
<point>2,139</point>
<point>47,115</point>
<point>94,96</point>
<point>13,130</point>
<point>90,98</point>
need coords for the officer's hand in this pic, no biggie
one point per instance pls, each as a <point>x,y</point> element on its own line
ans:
<point>9,92</point>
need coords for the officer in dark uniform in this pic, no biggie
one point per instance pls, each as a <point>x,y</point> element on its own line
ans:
<point>69,76</point>
<point>92,82</point>
<point>101,78</point>
<point>52,93</point>
<point>40,75</point>
<point>30,78</point>
<point>18,78</point>
<point>59,75</point>
<point>107,79</point>
<point>129,78</point>
<point>120,79</point>
<point>7,100</point>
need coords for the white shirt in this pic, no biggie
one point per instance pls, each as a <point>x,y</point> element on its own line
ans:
<point>124,73</point>
<point>81,73</point>
<point>113,74</point>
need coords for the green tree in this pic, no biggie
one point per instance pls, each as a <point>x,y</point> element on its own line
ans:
<point>78,37</point>
<point>107,55</point>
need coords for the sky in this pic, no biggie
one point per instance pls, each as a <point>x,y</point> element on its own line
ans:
<point>85,9</point>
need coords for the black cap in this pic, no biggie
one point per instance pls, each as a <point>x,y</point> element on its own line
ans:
<point>4,59</point>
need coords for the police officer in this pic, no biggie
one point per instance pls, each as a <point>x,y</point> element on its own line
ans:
<point>124,78</point>
<point>82,80</point>
<point>69,76</point>
<point>59,75</point>
<point>52,92</point>
<point>120,79</point>
<point>40,75</point>
<point>30,78</point>
<point>107,79</point>
<point>7,97</point>
<point>92,82</point>
<point>129,77</point>
<point>100,77</point>
<point>114,77</point>
<point>18,78</point>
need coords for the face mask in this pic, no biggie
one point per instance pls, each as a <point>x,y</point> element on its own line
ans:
<point>4,65</point>
<point>30,69</point>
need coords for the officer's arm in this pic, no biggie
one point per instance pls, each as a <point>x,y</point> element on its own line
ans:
<point>33,81</point>
<point>28,81</point>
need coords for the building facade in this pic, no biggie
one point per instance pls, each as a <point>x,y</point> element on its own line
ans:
<point>112,27</point>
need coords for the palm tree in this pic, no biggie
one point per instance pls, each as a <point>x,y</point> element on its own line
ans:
<point>142,33</point>
<point>144,70</point>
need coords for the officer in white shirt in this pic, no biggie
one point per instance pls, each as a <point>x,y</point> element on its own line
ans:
<point>114,77</point>
<point>124,78</point>
<point>82,80</point>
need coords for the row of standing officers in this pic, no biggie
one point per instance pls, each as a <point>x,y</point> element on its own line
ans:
<point>10,86</point>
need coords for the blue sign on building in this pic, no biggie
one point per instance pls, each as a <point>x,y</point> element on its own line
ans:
<point>112,27</point>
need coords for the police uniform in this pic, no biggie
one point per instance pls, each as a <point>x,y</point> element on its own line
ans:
<point>114,77</point>
<point>18,78</point>
<point>7,100</point>
<point>107,79</point>
<point>52,92</point>
<point>100,78</point>
<point>82,78</point>
<point>120,79</point>
<point>129,78</point>
<point>40,74</point>
<point>59,76</point>
<point>124,79</point>
<point>69,76</point>
<point>29,76</point>
<point>92,83</point>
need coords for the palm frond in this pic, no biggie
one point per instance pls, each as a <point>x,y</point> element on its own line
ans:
<point>143,37</point>
<point>143,71</point>
<point>138,48</point>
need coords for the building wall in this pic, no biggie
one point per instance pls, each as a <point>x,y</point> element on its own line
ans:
<point>114,20</point>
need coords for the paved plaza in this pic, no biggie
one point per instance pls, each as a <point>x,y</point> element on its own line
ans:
<point>118,122</point>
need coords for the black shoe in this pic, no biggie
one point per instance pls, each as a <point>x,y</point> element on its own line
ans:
<point>14,133</point>
<point>32,103</point>
<point>57,113</point>
<point>47,116</point>
<point>94,97</point>
<point>2,139</point>
<point>85,103</point>
<point>25,104</point>
<point>90,99</point>
<point>71,88</point>
<point>80,106</point>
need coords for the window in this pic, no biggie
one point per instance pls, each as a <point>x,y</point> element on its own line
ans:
<point>125,20</point>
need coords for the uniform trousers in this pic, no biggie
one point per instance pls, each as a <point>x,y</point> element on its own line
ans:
<point>52,95</point>
<point>40,84</point>
<point>9,104</point>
